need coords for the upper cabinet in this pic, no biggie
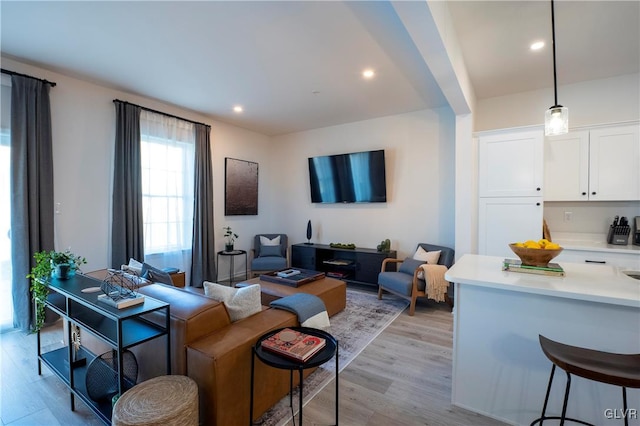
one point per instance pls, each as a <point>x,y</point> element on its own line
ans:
<point>593,165</point>
<point>511,164</point>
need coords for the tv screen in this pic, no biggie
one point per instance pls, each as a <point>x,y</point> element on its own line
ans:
<point>357,177</point>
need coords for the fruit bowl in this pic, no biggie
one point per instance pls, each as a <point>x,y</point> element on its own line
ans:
<point>535,256</point>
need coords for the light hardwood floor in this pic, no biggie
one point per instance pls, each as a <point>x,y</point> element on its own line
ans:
<point>402,378</point>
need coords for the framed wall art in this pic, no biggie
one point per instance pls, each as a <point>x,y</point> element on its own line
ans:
<point>240,187</point>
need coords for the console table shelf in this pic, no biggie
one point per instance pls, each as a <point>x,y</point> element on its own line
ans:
<point>119,328</point>
<point>360,265</point>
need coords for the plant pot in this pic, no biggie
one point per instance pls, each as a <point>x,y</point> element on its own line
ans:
<point>63,271</point>
<point>228,247</point>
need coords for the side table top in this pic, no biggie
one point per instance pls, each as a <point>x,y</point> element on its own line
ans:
<point>231,253</point>
<point>279,361</point>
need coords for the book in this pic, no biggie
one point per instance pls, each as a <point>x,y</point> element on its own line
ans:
<point>294,344</point>
<point>515,265</point>
<point>121,303</point>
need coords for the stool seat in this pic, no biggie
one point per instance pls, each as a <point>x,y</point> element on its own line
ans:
<point>605,367</point>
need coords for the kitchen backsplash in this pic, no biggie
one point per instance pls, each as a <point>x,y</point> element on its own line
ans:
<point>587,216</point>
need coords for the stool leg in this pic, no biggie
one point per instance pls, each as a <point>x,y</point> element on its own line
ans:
<point>566,400</point>
<point>624,406</point>
<point>546,398</point>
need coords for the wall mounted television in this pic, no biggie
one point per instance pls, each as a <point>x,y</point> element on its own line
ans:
<point>357,177</point>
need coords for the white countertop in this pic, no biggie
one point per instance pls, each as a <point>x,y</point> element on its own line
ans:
<point>596,283</point>
<point>592,242</point>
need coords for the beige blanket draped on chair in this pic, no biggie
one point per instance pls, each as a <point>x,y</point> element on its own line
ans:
<point>437,286</point>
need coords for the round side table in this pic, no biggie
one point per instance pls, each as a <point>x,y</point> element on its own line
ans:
<point>232,255</point>
<point>166,400</point>
<point>281,362</point>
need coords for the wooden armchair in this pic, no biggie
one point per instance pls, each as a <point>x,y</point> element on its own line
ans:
<point>406,281</point>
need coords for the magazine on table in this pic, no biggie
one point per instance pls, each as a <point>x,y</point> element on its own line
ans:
<point>294,344</point>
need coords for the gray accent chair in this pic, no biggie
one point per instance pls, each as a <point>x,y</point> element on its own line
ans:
<point>405,282</point>
<point>269,258</point>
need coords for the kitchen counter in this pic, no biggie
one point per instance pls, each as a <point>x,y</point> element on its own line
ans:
<point>591,242</point>
<point>499,369</point>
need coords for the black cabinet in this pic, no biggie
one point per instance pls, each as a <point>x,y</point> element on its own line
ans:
<point>360,265</point>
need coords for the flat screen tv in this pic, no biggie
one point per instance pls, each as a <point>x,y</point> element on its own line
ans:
<point>357,177</point>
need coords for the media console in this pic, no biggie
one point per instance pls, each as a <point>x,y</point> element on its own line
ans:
<point>359,265</point>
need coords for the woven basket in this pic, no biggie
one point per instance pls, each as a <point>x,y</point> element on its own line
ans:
<point>534,257</point>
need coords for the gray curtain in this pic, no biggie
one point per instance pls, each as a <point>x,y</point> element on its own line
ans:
<point>127,238</point>
<point>203,267</point>
<point>31,187</point>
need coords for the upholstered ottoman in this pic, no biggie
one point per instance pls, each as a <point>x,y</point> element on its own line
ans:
<point>165,400</point>
<point>332,292</point>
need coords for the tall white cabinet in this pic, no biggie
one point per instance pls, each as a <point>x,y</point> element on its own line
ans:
<point>600,164</point>
<point>510,207</point>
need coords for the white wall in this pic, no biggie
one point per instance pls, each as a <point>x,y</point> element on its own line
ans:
<point>419,154</point>
<point>83,122</point>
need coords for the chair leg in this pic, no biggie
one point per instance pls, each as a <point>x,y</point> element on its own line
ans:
<point>412,306</point>
<point>379,292</point>
<point>566,400</point>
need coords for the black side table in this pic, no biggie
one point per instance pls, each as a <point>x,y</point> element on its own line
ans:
<point>232,255</point>
<point>278,361</point>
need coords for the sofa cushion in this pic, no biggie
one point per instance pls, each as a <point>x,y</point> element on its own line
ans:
<point>267,251</point>
<point>409,266</point>
<point>399,282</point>
<point>268,263</point>
<point>240,302</point>
<point>156,275</point>
<point>265,241</point>
<point>431,257</point>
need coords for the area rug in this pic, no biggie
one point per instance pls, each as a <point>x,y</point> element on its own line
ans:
<point>363,319</point>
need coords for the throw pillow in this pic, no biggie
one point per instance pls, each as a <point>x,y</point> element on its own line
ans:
<point>273,251</point>
<point>264,241</point>
<point>240,302</point>
<point>431,257</point>
<point>408,266</point>
<point>154,274</point>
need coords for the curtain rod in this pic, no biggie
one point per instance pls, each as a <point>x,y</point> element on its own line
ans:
<point>50,83</point>
<point>163,113</point>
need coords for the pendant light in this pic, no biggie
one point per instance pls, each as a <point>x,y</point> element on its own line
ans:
<point>556,119</point>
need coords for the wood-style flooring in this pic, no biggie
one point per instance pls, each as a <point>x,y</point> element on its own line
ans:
<point>402,378</point>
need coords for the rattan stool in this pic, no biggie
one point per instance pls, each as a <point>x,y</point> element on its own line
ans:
<point>605,367</point>
<point>164,400</point>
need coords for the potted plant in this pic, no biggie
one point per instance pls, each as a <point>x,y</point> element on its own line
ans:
<point>61,265</point>
<point>231,238</point>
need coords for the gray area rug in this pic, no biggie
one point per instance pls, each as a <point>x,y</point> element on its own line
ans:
<point>363,320</point>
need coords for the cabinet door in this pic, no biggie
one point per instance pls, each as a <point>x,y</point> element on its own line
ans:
<point>303,256</point>
<point>511,164</point>
<point>507,220</point>
<point>566,167</point>
<point>623,260</point>
<point>368,266</point>
<point>614,158</point>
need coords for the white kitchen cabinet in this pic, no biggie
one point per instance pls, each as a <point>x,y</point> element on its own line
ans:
<point>507,220</point>
<point>511,164</point>
<point>629,260</point>
<point>593,165</point>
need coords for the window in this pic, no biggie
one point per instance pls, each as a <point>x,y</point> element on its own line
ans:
<point>167,157</point>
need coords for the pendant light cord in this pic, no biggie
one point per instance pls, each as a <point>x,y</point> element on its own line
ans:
<point>553,42</point>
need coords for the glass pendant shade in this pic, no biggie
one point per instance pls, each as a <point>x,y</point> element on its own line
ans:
<point>556,120</point>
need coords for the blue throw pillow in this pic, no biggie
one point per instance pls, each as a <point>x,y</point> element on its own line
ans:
<point>154,274</point>
<point>409,265</point>
<point>273,251</point>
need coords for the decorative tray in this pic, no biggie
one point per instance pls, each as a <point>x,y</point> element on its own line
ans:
<point>305,276</point>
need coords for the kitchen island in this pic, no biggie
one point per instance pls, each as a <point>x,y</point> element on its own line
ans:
<point>499,369</point>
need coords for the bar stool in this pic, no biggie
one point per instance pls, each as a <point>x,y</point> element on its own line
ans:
<point>605,367</point>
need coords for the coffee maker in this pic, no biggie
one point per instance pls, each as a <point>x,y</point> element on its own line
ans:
<point>636,231</point>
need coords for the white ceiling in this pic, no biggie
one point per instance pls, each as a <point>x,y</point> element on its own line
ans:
<point>295,65</point>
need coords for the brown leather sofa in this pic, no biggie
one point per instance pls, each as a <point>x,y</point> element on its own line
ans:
<point>216,353</point>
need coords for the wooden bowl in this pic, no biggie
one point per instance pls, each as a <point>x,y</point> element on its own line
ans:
<point>535,257</point>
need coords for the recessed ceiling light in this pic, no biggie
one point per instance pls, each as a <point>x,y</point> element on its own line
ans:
<point>537,45</point>
<point>368,73</point>
<point>238,108</point>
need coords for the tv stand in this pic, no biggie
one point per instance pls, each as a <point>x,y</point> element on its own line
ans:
<point>359,265</point>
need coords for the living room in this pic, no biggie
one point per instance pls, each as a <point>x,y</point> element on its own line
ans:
<point>431,156</point>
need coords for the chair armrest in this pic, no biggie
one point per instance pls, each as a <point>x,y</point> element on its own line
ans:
<point>389,260</point>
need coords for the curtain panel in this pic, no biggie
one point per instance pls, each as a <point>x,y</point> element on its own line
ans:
<point>127,240</point>
<point>32,205</point>
<point>203,267</point>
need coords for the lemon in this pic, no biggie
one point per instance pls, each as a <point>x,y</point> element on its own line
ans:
<point>551,246</point>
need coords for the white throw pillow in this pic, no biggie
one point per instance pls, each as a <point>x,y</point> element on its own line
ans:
<point>267,242</point>
<point>240,302</point>
<point>431,257</point>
